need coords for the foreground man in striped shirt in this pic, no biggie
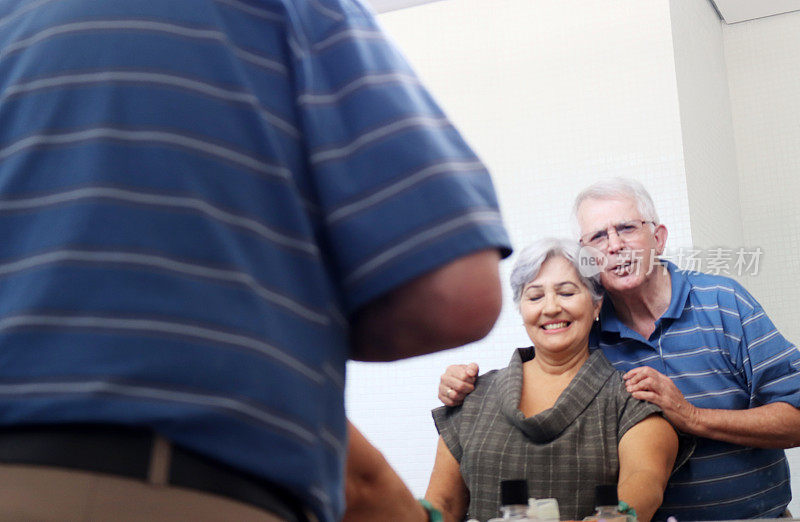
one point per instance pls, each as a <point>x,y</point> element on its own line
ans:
<point>697,345</point>
<point>206,208</point>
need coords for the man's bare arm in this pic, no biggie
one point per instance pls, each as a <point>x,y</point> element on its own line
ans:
<point>452,306</point>
<point>373,490</point>
<point>774,425</point>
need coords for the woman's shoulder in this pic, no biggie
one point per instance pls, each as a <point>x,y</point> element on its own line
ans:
<point>482,398</point>
<point>487,383</point>
<point>484,385</point>
<point>602,370</point>
<point>614,387</point>
<point>631,410</point>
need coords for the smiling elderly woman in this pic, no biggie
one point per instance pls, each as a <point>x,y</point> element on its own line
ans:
<point>558,415</point>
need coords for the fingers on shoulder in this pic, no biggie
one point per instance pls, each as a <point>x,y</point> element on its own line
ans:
<point>647,396</point>
<point>461,383</point>
<point>462,372</point>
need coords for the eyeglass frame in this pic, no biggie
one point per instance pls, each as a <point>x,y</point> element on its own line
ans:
<point>616,226</point>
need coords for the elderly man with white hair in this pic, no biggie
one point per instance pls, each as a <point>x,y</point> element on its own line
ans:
<point>697,345</point>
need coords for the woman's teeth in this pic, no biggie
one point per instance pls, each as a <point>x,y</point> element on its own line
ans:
<point>553,326</point>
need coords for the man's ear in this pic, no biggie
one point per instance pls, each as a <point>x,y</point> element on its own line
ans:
<point>660,234</point>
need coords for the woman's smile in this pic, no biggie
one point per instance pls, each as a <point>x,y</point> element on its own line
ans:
<point>561,325</point>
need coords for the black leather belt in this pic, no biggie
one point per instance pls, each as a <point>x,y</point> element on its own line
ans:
<point>126,452</point>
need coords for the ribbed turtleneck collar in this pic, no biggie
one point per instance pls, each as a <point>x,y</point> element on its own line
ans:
<point>547,425</point>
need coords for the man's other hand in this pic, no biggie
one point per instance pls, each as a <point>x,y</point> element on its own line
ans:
<point>457,382</point>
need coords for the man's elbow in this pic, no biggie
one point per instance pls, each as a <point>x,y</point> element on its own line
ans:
<point>453,306</point>
<point>461,303</point>
<point>471,315</point>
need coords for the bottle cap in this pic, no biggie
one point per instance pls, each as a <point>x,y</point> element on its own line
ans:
<point>544,509</point>
<point>606,495</point>
<point>514,492</point>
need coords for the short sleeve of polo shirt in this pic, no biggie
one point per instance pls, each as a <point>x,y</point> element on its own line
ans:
<point>399,190</point>
<point>770,362</point>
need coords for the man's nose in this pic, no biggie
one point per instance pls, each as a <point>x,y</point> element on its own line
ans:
<point>615,242</point>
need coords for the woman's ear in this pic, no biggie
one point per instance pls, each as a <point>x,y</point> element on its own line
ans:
<point>596,306</point>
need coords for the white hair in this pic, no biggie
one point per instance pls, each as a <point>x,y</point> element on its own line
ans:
<point>616,188</point>
<point>531,258</point>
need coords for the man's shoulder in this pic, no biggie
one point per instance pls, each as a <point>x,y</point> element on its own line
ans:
<point>719,288</point>
<point>705,279</point>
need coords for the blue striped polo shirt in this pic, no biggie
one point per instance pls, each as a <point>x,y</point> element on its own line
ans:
<point>721,350</point>
<point>195,196</point>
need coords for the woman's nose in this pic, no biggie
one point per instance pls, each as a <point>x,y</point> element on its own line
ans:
<point>551,304</point>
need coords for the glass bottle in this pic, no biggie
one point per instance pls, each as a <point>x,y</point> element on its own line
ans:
<point>607,504</point>
<point>513,500</point>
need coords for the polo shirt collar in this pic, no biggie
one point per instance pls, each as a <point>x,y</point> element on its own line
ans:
<point>680,291</point>
<point>680,294</point>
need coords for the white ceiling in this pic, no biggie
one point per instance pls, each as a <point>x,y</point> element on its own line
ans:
<point>731,11</point>
<point>381,6</point>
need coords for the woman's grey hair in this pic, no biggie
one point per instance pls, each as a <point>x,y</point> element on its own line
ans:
<point>532,257</point>
<point>615,188</point>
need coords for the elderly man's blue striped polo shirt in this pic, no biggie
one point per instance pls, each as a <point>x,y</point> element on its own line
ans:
<point>721,350</point>
<point>194,197</point>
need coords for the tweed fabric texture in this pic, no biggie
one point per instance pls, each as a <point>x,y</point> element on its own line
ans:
<point>563,452</point>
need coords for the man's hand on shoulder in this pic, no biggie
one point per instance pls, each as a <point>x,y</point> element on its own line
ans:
<point>457,382</point>
<point>772,425</point>
<point>650,385</point>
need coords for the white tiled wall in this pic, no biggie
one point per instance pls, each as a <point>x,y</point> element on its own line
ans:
<point>707,127</point>
<point>763,62</point>
<point>556,93</point>
<point>552,94</point>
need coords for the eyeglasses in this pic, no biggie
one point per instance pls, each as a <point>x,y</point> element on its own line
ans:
<point>624,230</point>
